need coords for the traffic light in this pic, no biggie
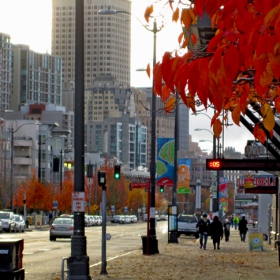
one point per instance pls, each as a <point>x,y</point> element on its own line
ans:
<point>55,164</point>
<point>161,189</point>
<point>117,173</point>
<point>101,178</point>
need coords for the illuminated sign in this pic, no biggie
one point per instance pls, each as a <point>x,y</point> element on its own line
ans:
<point>243,164</point>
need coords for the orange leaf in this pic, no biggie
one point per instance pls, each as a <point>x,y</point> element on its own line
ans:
<point>268,117</point>
<point>193,38</point>
<point>170,104</point>
<point>149,10</point>
<point>158,79</point>
<point>186,18</point>
<point>217,128</point>
<point>216,115</point>
<point>175,15</point>
<point>165,93</point>
<point>199,7</point>
<point>235,114</point>
<point>148,70</point>
<point>259,134</point>
<point>186,42</point>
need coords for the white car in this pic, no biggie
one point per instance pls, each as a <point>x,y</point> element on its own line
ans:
<point>187,225</point>
<point>20,223</point>
<point>8,221</point>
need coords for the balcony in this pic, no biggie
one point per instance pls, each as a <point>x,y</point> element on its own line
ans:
<point>23,160</point>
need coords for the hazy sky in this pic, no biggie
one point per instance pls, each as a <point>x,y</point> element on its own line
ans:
<point>29,22</point>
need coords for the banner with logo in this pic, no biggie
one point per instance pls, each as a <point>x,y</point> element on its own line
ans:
<point>165,161</point>
<point>223,193</point>
<point>183,176</point>
<point>214,184</point>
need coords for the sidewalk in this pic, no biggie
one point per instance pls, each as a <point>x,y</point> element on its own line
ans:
<point>186,261</point>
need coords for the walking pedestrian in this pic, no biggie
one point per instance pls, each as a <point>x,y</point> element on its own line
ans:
<point>50,216</point>
<point>231,221</point>
<point>242,226</point>
<point>227,230</point>
<point>203,226</point>
<point>216,229</point>
<point>236,222</point>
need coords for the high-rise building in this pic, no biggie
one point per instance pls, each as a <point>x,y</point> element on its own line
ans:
<point>36,78</point>
<point>107,39</point>
<point>5,71</point>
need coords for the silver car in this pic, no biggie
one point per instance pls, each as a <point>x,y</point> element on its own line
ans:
<point>20,224</point>
<point>62,228</point>
<point>1,227</point>
<point>8,221</point>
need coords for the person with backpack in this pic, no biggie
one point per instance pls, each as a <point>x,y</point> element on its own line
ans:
<point>227,230</point>
<point>216,229</point>
<point>203,226</point>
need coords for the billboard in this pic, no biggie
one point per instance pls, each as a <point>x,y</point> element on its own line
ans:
<point>165,162</point>
<point>223,193</point>
<point>184,176</point>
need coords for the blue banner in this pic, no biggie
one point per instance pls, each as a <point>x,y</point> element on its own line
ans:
<point>165,162</point>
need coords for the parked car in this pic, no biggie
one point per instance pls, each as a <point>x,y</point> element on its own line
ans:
<point>8,221</point>
<point>187,225</point>
<point>87,221</point>
<point>1,226</point>
<point>61,228</point>
<point>92,221</point>
<point>20,223</point>
<point>125,219</point>
<point>116,219</point>
<point>133,219</point>
<point>98,220</point>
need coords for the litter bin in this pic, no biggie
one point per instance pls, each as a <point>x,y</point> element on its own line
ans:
<point>278,244</point>
<point>26,223</point>
<point>144,244</point>
<point>11,253</point>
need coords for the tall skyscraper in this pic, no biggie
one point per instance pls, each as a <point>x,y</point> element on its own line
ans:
<point>107,39</point>
<point>5,71</point>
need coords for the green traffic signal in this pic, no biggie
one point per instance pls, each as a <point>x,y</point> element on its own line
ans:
<point>161,189</point>
<point>117,172</point>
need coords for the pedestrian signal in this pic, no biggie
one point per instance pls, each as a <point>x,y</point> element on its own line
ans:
<point>117,173</point>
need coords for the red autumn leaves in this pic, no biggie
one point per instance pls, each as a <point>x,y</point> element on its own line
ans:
<point>240,67</point>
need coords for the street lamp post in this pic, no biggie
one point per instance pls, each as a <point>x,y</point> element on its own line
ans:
<point>78,260</point>
<point>155,30</point>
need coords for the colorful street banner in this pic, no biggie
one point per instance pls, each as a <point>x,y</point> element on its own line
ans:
<point>184,176</point>
<point>214,184</point>
<point>223,193</point>
<point>165,162</point>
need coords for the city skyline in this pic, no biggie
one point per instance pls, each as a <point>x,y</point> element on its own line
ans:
<point>142,42</point>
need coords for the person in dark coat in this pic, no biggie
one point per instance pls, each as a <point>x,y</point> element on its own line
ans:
<point>242,227</point>
<point>216,229</point>
<point>203,226</point>
<point>227,229</point>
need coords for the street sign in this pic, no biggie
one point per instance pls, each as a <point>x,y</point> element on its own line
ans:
<point>54,204</point>
<point>78,202</point>
<point>243,164</point>
<point>112,208</point>
<point>125,209</point>
<point>139,185</point>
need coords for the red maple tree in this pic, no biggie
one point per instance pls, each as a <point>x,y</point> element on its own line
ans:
<point>239,69</point>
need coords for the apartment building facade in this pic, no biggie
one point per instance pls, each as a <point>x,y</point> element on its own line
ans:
<point>5,71</point>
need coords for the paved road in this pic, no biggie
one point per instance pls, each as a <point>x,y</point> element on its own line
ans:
<point>42,258</point>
